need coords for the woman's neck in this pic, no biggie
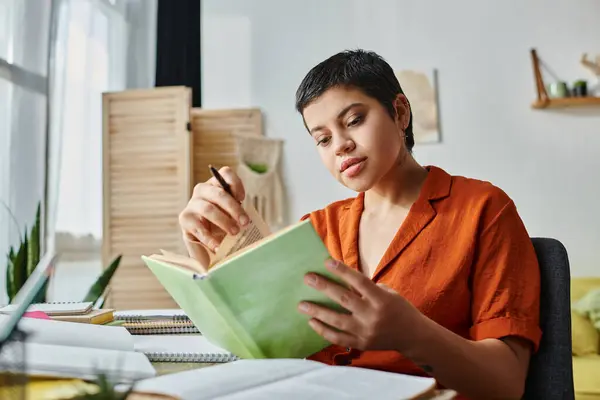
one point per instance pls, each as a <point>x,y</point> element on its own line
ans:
<point>400,187</point>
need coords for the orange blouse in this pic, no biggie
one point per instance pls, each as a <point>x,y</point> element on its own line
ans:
<point>462,256</point>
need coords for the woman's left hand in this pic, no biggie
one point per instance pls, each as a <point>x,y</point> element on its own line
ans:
<point>379,318</point>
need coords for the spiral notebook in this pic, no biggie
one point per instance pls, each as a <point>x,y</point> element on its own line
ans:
<point>156,322</point>
<point>151,315</point>
<point>160,327</point>
<point>181,349</point>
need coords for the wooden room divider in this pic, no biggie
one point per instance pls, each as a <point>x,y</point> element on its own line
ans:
<point>155,149</point>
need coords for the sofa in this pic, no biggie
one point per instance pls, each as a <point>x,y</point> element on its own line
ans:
<point>586,344</point>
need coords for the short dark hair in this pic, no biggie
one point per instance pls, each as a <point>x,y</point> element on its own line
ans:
<point>360,69</point>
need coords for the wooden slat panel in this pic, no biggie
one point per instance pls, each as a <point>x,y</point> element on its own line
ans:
<point>147,179</point>
<point>213,137</point>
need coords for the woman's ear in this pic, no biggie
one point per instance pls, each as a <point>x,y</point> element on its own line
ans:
<point>402,111</point>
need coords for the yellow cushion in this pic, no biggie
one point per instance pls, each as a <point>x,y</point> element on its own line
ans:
<point>581,286</point>
<point>589,306</point>
<point>586,339</point>
<point>586,371</point>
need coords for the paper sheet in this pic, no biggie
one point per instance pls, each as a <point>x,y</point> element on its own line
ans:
<point>286,378</point>
<point>176,344</point>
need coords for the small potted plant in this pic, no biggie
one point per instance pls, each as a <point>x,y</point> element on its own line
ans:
<point>580,88</point>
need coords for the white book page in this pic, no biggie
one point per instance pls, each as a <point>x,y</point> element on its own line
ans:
<point>78,362</point>
<point>232,244</point>
<point>75,334</point>
<point>289,379</point>
<point>176,344</point>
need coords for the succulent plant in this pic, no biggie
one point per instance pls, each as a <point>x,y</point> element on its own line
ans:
<point>21,260</point>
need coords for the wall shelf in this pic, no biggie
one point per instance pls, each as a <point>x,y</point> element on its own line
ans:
<point>566,102</point>
<point>543,101</point>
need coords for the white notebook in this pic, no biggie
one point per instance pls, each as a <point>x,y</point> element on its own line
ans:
<point>174,314</point>
<point>58,308</point>
<point>77,362</point>
<point>181,349</point>
<point>286,379</point>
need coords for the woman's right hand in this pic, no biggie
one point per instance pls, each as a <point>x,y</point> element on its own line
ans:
<point>212,213</point>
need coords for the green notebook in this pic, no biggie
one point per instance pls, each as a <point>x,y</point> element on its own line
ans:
<point>247,304</point>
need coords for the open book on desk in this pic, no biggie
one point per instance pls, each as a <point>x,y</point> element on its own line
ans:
<point>247,302</point>
<point>287,379</point>
<point>70,349</point>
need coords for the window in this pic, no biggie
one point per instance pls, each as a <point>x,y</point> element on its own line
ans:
<point>6,87</point>
<point>24,33</point>
<point>92,44</point>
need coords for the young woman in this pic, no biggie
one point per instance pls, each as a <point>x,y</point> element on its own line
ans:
<point>444,275</point>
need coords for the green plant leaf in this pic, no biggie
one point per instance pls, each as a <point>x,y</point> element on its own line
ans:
<point>22,262</point>
<point>41,296</point>
<point>19,266</point>
<point>104,390</point>
<point>33,248</point>
<point>102,282</point>
<point>11,289</point>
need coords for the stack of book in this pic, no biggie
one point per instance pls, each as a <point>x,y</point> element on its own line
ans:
<point>137,322</point>
<point>82,312</point>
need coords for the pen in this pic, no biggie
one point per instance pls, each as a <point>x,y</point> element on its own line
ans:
<point>219,178</point>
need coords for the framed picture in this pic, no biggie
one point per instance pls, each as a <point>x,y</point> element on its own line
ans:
<point>420,87</point>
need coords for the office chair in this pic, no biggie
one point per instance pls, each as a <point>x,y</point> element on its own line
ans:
<point>550,373</point>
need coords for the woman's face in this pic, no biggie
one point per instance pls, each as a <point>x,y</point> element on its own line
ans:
<point>356,138</point>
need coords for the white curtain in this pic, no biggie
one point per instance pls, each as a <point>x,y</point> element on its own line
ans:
<point>24,33</point>
<point>57,57</point>
<point>99,46</point>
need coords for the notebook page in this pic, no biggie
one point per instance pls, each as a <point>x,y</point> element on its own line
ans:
<point>176,344</point>
<point>77,362</point>
<point>286,378</point>
<point>75,334</point>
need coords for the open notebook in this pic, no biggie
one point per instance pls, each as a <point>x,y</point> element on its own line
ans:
<point>75,350</point>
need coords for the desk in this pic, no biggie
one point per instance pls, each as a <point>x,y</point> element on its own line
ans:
<point>171,368</point>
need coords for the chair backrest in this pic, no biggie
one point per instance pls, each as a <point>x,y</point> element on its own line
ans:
<point>551,368</point>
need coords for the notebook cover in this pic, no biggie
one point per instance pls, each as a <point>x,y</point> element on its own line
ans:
<point>55,308</point>
<point>249,304</point>
<point>97,317</point>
